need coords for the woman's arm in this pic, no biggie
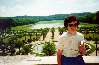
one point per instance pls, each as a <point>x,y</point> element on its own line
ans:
<point>59,55</point>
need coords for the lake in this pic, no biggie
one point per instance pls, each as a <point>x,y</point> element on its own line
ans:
<point>48,24</point>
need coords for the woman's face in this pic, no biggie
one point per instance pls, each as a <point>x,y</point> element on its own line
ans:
<point>72,27</point>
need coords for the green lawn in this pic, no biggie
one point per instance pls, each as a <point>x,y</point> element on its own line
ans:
<point>24,27</point>
<point>53,21</point>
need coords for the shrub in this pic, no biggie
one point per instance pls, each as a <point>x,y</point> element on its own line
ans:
<point>49,48</point>
<point>26,49</point>
<point>91,48</point>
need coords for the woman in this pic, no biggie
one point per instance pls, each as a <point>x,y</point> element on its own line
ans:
<point>70,49</point>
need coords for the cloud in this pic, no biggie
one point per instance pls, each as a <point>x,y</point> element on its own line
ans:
<point>46,7</point>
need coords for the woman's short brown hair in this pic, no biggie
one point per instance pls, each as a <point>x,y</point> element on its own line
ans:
<point>69,20</point>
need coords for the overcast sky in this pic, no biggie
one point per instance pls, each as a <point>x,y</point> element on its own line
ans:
<point>46,7</point>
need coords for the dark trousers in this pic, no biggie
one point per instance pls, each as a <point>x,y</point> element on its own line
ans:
<point>72,60</point>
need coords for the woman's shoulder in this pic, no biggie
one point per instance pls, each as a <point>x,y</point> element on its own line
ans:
<point>64,34</point>
<point>79,34</point>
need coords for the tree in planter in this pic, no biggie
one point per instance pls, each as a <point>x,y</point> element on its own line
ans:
<point>53,30</point>
<point>49,49</point>
<point>44,32</point>
<point>61,30</point>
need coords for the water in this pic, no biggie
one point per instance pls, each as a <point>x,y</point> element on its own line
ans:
<point>50,25</point>
<point>38,48</point>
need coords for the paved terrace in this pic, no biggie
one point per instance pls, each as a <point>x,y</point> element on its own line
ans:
<point>52,60</point>
<point>89,60</point>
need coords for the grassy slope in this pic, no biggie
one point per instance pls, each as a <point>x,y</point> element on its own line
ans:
<point>24,27</point>
<point>48,22</point>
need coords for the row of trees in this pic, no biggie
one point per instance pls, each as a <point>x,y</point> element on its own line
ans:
<point>91,32</point>
<point>18,42</point>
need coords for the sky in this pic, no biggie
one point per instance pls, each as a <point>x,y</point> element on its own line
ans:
<point>46,7</point>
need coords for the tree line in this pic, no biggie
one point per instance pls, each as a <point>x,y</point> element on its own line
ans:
<point>86,17</point>
<point>8,22</point>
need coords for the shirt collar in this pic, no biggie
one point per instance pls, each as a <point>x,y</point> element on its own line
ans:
<point>71,33</point>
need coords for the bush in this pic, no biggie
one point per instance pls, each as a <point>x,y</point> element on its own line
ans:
<point>49,49</point>
<point>26,49</point>
<point>91,48</point>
